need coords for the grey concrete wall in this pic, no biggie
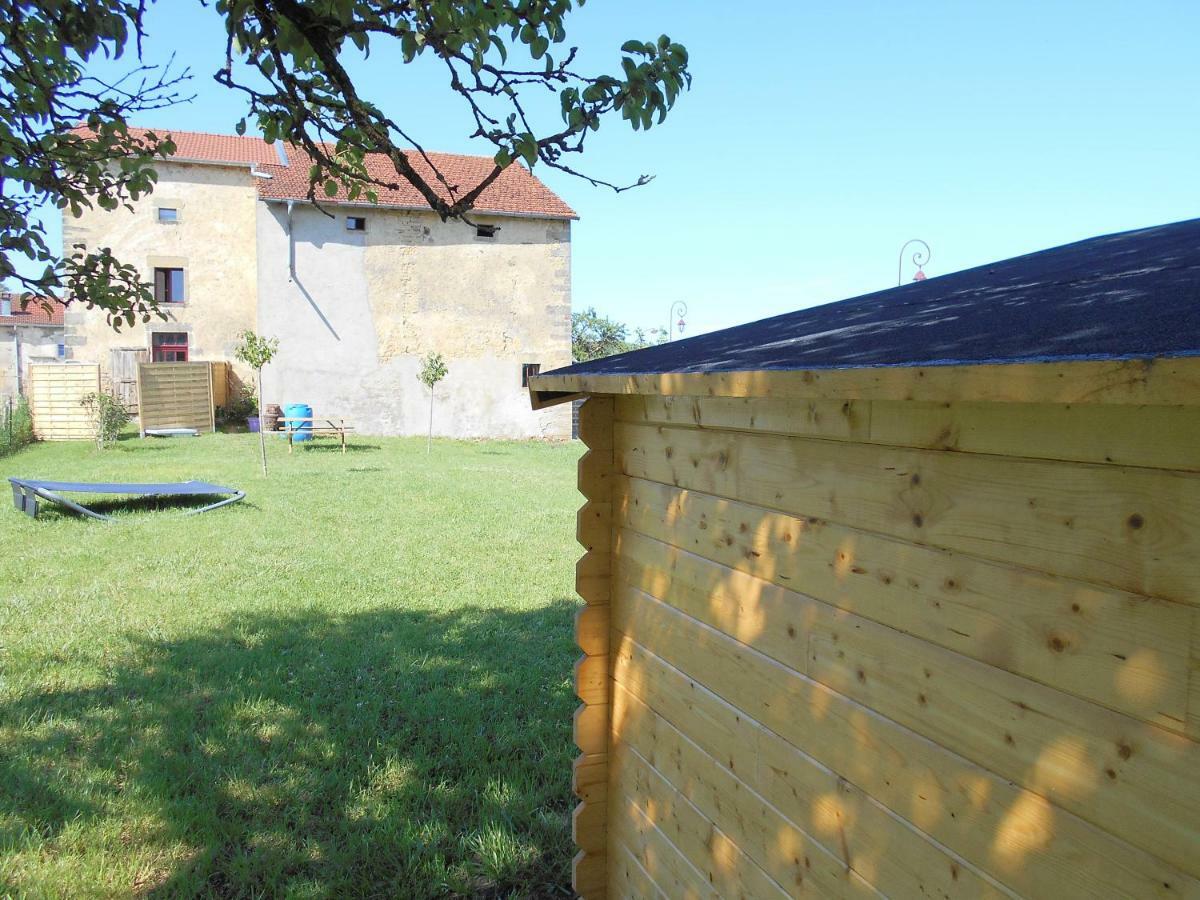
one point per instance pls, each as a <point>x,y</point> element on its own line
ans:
<point>363,309</point>
<point>39,344</point>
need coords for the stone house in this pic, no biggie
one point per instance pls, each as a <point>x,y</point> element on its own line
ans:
<point>27,335</point>
<point>357,293</point>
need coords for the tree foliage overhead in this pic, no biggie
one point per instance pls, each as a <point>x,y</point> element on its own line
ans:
<point>292,60</point>
<point>302,91</point>
<point>47,89</point>
<point>594,336</point>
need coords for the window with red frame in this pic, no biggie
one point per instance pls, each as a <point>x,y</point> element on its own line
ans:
<point>169,346</point>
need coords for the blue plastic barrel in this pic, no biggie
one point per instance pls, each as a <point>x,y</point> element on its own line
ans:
<point>301,430</point>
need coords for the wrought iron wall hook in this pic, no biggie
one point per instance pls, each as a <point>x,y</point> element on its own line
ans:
<point>919,260</point>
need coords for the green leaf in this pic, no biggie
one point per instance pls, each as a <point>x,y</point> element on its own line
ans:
<point>331,187</point>
<point>528,148</point>
<point>408,46</point>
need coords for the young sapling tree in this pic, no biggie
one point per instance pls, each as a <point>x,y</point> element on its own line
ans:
<point>109,416</point>
<point>433,370</point>
<point>257,351</point>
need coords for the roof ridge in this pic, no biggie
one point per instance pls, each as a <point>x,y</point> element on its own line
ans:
<point>280,141</point>
<point>414,151</point>
<point>215,134</point>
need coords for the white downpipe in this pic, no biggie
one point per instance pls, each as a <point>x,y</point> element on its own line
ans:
<point>17,357</point>
<point>291,245</point>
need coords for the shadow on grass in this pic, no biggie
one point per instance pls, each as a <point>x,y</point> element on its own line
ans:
<point>390,753</point>
<point>147,504</point>
<point>131,445</point>
<point>330,447</point>
<point>119,507</point>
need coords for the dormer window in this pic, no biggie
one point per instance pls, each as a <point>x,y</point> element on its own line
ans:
<point>356,223</point>
<point>168,215</point>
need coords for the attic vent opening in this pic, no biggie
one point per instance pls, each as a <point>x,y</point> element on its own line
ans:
<point>356,223</point>
<point>486,231</point>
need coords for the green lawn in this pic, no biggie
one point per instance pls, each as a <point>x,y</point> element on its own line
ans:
<point>355,683</point>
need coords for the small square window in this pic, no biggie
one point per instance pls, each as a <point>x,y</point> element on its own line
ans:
<point>528,370</point>
<point>168,214</point>
<point>168,285</point>
<point>62,351</point>
<point>356,223</point>
<point>485,231</point>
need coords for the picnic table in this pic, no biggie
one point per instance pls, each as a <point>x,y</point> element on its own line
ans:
<point>295,424</point>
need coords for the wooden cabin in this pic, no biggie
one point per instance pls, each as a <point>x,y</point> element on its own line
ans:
<point>900,595</point>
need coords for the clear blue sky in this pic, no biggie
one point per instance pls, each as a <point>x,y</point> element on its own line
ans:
<point>818,137</point>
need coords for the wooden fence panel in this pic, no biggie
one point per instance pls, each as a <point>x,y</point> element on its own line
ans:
<point>122,373</point>
<point>176,395</point>
<point>55,390</point>
<point>220,383</point>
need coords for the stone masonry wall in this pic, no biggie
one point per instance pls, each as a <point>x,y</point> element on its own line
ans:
<point>213,242</point>
<point>365,307</point>
<point>362,309</point>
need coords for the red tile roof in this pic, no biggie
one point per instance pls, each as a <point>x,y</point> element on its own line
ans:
<point>214,148</point>
<point>515,192</point>
<point>33,314</point>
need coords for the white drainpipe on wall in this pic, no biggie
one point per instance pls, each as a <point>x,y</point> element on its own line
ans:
<point>291,245</point>
<point>17,355</point>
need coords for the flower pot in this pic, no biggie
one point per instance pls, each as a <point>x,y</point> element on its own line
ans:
<point>252,421</point>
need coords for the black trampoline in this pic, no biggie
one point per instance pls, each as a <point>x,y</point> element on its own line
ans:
<point>27,492</point>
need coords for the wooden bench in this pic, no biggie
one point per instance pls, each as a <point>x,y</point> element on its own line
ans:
<point>330,427</point>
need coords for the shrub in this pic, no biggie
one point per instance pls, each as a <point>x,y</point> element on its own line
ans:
<point>109,416</point>
<point>16,426</point>
<point>240,406</point>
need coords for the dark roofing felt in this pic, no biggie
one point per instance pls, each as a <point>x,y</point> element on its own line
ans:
<point>1125,296</point>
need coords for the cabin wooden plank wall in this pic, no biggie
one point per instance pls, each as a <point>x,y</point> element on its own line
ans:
<point>175,395</point>
<point>886,647</point>
<point>592,623</point>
